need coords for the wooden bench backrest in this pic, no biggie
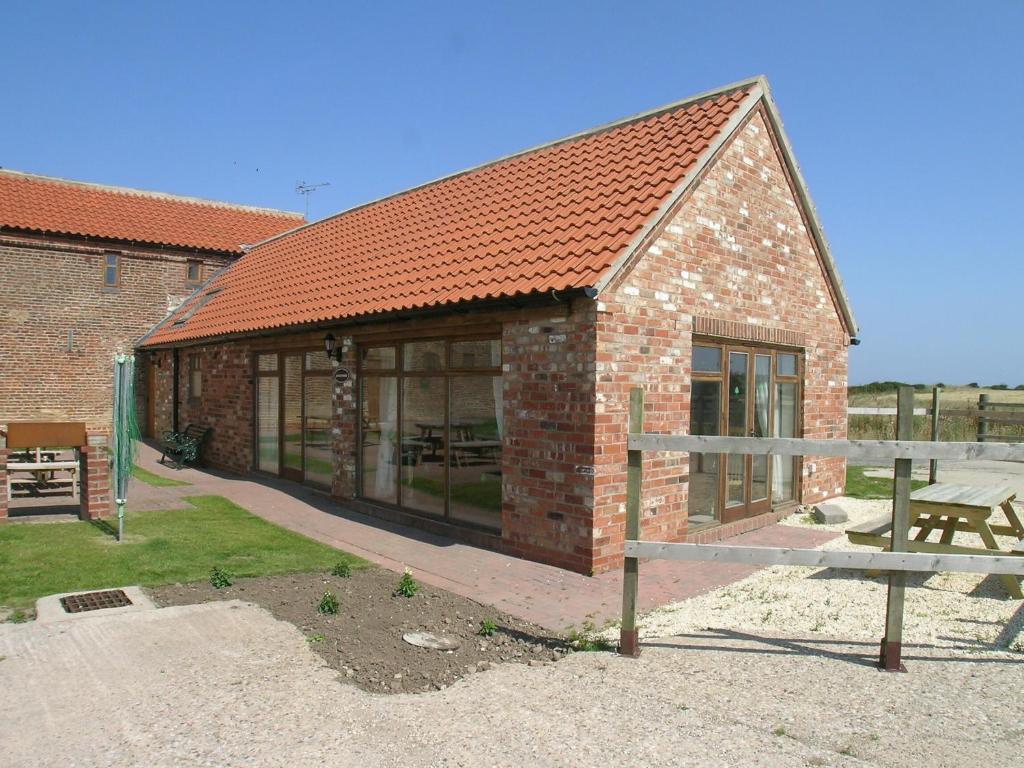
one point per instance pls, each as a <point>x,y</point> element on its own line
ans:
<point>197,432</point>
<point>45,434</point>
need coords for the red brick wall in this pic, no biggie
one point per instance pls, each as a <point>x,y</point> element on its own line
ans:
<point>737,260</point>
<point>548,460</point>
<point>4,502</point>
<point>51,286</point>
<point>226,403</point>
<point>96,493</point>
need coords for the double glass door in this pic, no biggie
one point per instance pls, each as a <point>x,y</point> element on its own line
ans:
<point>293,416</point>
<point>741,392</point>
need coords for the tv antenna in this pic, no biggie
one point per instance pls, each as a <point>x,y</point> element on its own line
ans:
<point>302,188</point>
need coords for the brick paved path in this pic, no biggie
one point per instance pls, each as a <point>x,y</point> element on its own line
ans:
<point>549,596</point>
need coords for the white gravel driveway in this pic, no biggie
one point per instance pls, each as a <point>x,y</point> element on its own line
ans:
<point>225,684</point>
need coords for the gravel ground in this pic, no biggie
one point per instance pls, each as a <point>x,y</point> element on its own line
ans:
<point>225,684</point>
<point>956,612</point>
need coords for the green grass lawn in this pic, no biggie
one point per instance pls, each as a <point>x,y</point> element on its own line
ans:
<point>157,481</point>
<point>860,487</point>
<point>159,548</point>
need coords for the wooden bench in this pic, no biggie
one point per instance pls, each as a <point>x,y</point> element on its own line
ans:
<point>38,470</point>
<point>185,447</point>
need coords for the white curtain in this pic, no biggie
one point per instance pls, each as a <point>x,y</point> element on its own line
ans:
<point>388,451</point>
<point>499,406</point>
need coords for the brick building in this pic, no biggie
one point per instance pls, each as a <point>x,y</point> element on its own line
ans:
<point>86,271</point>
<point>484,331</point>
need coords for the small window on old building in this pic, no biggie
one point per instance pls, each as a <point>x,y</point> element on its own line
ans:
<point>111,270</point>
<point>194,272</point>
<point>195,377</point>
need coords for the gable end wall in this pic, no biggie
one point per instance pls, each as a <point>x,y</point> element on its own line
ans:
<point>736,260</point>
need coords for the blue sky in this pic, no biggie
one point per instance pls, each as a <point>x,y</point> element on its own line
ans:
<point>905,118</point>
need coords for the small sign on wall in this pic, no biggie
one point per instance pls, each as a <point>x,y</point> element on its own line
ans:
<point>342,375</point>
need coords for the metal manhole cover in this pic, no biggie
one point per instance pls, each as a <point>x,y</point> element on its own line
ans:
<point>95,601</point>
<point>432,641</point>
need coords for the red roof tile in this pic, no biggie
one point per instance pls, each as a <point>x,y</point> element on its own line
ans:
<point>44,204</point>
<point>556,217</point>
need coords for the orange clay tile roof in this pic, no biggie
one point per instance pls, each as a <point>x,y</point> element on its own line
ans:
<point>556,217</point>
<point>45,204</point>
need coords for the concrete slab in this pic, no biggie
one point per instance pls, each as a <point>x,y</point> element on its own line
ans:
<point>830,514</point>
<point>50,610</point>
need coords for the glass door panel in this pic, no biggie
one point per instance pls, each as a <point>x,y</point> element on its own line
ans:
<point>424,451</point>
<point>316,433</point>
<point>379,449</point>
<point>291,415</point>
<point>705,479</point>
<point>268,409</point>
<point>736,465</point>
<point>475,471</point>
<point>762,409</point>
<point>784,467</point>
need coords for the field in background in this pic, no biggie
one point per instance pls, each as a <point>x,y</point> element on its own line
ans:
<point>951,428</point>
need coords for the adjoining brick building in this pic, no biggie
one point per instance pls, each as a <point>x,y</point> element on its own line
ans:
<point>86,270</point>
<point>460,355</point>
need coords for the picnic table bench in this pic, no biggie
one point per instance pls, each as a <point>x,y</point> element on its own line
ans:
<point>951,508</point>
<point>184,447</point>
<point>43,466</point>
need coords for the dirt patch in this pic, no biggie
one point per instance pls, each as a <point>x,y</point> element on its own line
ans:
<point>363,641</point>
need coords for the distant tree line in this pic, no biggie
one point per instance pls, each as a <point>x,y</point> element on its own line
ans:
<point>876,387</point>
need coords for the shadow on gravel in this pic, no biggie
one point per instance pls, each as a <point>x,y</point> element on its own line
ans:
<point>857,652</point>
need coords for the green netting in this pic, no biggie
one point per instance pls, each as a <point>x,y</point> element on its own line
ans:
<point>125,433</point>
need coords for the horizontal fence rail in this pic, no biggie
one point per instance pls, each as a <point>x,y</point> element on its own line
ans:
<point>851,449</point>
<point>817,558</point>
<point>897,561</point>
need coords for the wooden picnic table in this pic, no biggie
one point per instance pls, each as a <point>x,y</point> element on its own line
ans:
<point>43,465</point>
<point>950,508</point>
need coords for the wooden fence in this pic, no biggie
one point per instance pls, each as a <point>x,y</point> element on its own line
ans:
<point>987,413</point>
<point>897,562</point>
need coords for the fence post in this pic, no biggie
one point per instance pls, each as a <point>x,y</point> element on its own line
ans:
<point>892,643</point>
<point>982,421</point>
<point>933,465</point>
<point>629,642</point>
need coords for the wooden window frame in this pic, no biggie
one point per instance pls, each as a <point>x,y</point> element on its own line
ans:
<point>107,255</point>
<point>198,263</point>
<point>195,366</point>
<point>752,349</point>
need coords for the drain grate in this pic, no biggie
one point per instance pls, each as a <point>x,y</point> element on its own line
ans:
<point>95,601</point>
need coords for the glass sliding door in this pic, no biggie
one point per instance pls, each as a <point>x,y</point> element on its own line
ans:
<point>268,411</point>
<point>475,470</point>
<point>293,416</point>
<point>431,429</point>
<point>379,438</point>
<point>317,458</point>
<point>425,444</point>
